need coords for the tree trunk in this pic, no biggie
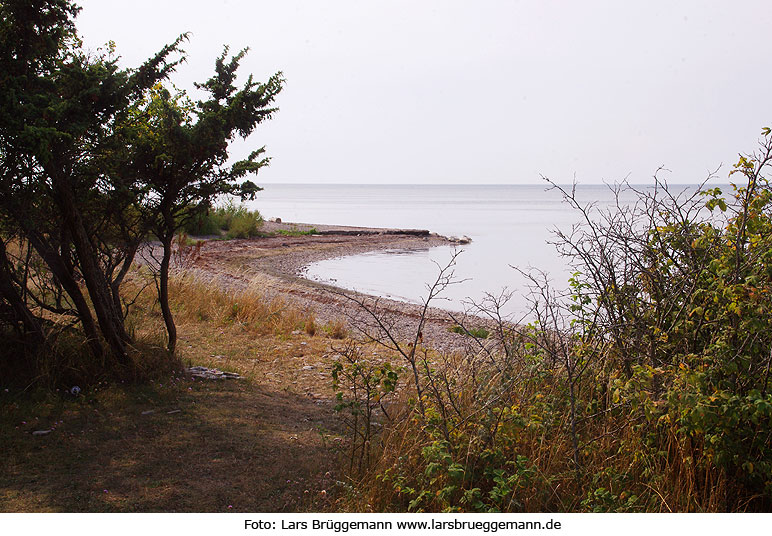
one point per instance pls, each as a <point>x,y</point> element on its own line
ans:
<point>110,321</point>
<point>115,284</point>
<point>33,329</point>
<point>58,268</point>
<point>163,292</point>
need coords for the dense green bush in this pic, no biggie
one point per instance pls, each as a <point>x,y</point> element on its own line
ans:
<point>236,221</point>
<point>244,224</point>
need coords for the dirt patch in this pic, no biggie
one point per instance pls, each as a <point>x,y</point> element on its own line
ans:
<point>269,442</point>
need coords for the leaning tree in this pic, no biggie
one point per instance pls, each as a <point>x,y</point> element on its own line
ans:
<point>180,154</point>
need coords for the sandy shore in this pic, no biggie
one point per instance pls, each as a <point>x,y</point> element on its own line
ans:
<point>276,264</point>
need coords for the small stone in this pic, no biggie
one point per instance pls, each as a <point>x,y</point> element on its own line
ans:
<point>309,367</point>
<point>460,240</point>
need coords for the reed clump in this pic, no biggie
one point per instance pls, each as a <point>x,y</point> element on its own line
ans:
<point>231,220</point>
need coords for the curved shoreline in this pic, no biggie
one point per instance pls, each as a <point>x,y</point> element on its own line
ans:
<point>275,263</point>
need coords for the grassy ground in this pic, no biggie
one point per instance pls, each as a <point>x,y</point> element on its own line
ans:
<point>268,442</point>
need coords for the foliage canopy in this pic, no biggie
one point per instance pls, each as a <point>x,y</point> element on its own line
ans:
<point>95,158</point>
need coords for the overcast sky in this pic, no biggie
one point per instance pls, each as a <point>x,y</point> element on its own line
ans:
<point>478,92</point>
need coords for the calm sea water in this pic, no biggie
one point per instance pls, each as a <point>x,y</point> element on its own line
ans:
<point>509,226</point>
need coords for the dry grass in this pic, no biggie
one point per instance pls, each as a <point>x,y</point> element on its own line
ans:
<point>269,442</point>
<point>613,455</point>
<point>197,299</point>
<point>272,442</point>
<point>310,326</point>
<point>336,329</point>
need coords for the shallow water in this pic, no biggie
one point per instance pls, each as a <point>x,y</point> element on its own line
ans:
<point>509,226</point>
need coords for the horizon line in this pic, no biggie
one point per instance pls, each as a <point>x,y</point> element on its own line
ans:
<point>293,183</point>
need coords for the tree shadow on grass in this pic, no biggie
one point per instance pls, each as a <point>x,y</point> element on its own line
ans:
<point>199,447</point>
